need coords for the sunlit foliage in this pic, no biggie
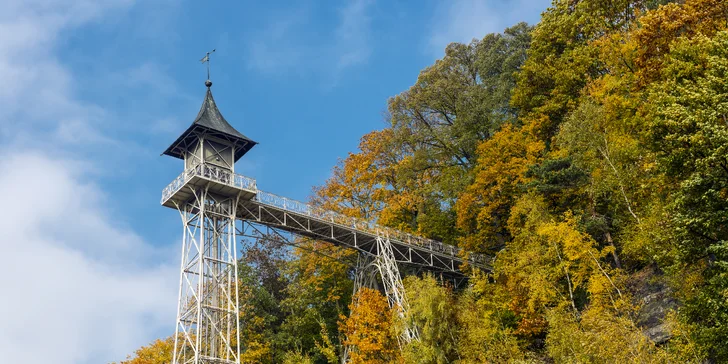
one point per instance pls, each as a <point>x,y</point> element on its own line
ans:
<point>158,352</point>
<point>582,153</point>
<point>369,329</point>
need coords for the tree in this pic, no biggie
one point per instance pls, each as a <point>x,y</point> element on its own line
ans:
<point>461,99</point>
<point>598,336</point>
<point>158,352</point>
<point>689,134</point>
<point>561,62</point>
<point>484,207</point>
<point>486,324</point>
<point>261,288</point>
<point>432,310</point>
<point>369,329</point>
<point>318,293</point>
<point>659,29</point>
<point>438,123</point>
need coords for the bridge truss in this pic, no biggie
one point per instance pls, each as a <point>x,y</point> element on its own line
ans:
<point>219,207</point>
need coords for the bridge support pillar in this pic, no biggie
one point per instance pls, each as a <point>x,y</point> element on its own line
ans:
<point>393,287</point>
<point>365,273</point>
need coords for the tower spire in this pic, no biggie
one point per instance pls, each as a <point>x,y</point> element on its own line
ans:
<point>206,59</point>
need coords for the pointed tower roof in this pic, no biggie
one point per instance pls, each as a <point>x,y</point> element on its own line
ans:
<point>209,121</point>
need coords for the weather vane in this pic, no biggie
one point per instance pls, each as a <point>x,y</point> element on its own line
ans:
<point>206,59</point>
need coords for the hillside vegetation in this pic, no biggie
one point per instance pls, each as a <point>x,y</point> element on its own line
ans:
<point>588,154</point>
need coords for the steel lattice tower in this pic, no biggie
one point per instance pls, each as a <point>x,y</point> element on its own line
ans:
<point>207,312</point>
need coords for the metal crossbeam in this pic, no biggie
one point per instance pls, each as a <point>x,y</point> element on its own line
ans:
<point>218,207</point>
<point>208,307</point>
<point>393,287</point>
<point>300,218</point>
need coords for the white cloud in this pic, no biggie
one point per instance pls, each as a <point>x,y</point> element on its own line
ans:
<point>37,87</point>
<point>79,287</point>
<point>463,20</point>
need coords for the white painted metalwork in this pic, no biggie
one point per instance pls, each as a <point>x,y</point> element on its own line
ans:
<point>212,173</point>
<point>359,224</point>
<point>364,277</point>
<point>364,273</point>
<point>287,211</point>
<point>211,201</point>
<point>393,287</point>
<point>208,308</point>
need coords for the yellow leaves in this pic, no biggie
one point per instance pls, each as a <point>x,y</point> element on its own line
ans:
<point>661,27</point>
<point>320,267</point>
<point>573,243</point>
<point>502,163</point>
<point>296,357</point>
<point>158,352</point>
<point>599,336</point>
<point>359,184</point>
<point>486,334</point>
<point>548,262</point>
<point>369,329</point>
<point>255,351</point>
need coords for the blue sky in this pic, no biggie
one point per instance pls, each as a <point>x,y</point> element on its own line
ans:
<point>94,91</point>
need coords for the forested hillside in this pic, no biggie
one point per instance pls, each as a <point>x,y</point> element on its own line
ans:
<point>588,154</point>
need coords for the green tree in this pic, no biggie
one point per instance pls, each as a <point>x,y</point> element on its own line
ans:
<point>318,293</point>
<point>261,288</point>
<point>438,123</point>
<point>689,134</point>
<point>432,310</point>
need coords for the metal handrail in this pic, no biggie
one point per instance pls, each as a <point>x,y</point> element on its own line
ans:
<point>231,179</point>
<point>298,207</point>
<point>211,172</point>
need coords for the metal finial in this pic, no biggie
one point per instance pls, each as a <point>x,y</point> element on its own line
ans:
<point>206,59</point>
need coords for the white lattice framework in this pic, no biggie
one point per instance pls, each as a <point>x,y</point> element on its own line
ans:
<point>213,200</point>
<point>207,310</point>
<point>392,284</point>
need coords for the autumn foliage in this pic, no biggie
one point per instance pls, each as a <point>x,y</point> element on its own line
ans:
<point>369,329</point>
<point>587,154</point>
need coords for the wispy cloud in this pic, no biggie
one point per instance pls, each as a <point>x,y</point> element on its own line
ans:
<point>78,280</point>
<point>353,45</point>
<point>286,45</point>
<point>465,20</point>
<point>37,88</point>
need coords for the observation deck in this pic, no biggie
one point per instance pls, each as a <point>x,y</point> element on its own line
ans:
<point>306,220</point>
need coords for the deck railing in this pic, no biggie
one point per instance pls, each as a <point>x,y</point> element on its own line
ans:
<point>213,173</point>
<point>284,203</point>
<point>226,177</point>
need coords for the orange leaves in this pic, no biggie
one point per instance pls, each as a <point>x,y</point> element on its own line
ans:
<point>660,28</point>
<point>485,206</point>
<point>360,183</point>
<point>369,329</point>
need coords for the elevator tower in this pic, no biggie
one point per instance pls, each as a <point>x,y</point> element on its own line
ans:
<point>206,195</point>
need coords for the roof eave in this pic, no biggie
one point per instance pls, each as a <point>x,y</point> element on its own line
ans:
<point>246,143</point>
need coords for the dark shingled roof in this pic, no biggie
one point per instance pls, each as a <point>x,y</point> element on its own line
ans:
<point>210,121</point>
